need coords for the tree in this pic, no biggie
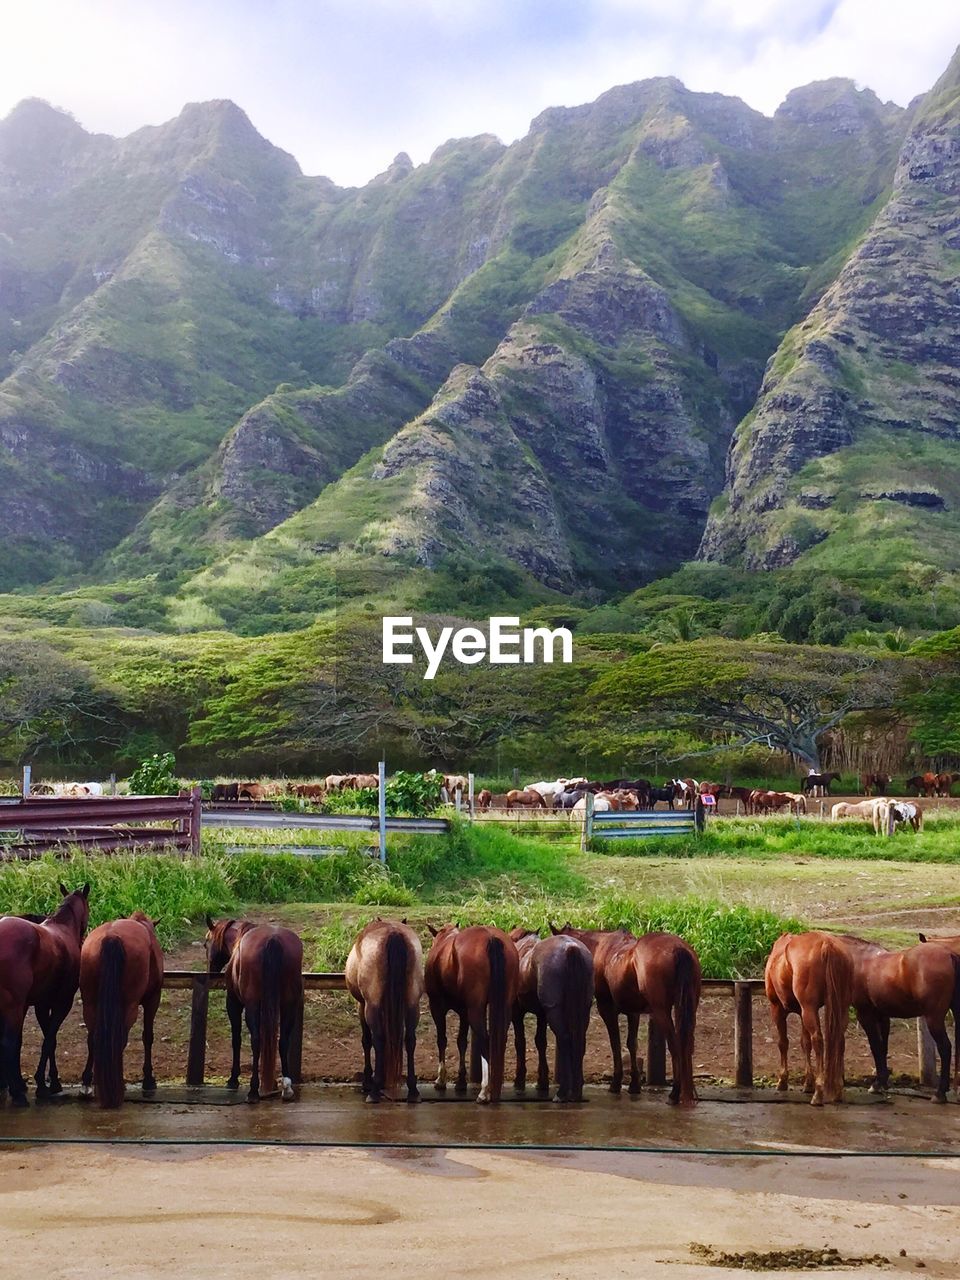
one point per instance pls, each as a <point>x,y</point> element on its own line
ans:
<point>49,701</point>
<point>785,696</point>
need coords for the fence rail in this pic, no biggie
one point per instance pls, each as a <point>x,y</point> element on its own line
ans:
<point>741,990</point>
<point>612,824</point>
<point>101,822</point>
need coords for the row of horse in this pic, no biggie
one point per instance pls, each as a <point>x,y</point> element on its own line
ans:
<point>884,814</point>
<point>448,787</point>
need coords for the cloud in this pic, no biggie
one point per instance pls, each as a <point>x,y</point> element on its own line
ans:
<point>345,84</point>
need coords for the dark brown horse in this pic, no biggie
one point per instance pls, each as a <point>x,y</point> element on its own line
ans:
<point>819,783</point>
<point>924,784</point>
<point>804,973</point>
<point>920,982</point>
<point>878,783</point>
<point>384,974</point>
<point>121,969</point>
<point>658,974</point>
<point>476,972</point>
<point>39,966</point>
<point>264,972</point>
<point>556,986</point>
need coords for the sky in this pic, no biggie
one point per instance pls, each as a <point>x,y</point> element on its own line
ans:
<point>347,84</point>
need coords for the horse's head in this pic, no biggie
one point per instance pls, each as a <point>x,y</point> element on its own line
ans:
<point>75,906</point>
<point>221,938</point>
<point>142,918</point>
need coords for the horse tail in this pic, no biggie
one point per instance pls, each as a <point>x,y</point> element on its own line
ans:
<point>499,1015</point>
<point>685,1004</point>
<point>836,1013</point>
<point>270,975</point>
<point>955,1008</point>
<point>577,1003</point>
<point>393,1010</point>
<point>109,1036</point>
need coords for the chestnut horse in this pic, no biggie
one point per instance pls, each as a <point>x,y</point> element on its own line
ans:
<point>658,974</point>
<point>804,973</point>
<point>384,974</point>
<point>121,968</point>
<point>476,972</point>
<point>525,800</point>
<point>39,966</point>
<point>556,986</point>
<point>264,971</point>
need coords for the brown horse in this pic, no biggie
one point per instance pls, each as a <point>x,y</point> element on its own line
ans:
<point>384,974</point>
<point>39,966</point>
<point>264,971</point>
<point>525,800</point>
<point>804,973</point>
<point>658,974</point>
<point>875,782</point>
<point>920,982</point>
<point>924,784</point>
<point>556,986</point>
<point>476,972</point>
<point>121,968</point>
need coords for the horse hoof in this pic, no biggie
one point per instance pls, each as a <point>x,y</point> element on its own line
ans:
<point>482,1100</point>
<point>54,1087</point>
<point>520,1086</point>
<point>372,1098</point>
<point>414,1096</point>
<point>253,1096</point>
<point>233,1083</point>
<point>286,1089</point>
<point>20,1100</point>
<point>42,1091</point>
<point>782,1086</point>
<point>816,1101</point>
<point>634,1088</point>
<point>460,1086</point>
<point>149,1085</point>
<point>86,1091</point>
<point>939,1098</point>
<point>615,1088</point>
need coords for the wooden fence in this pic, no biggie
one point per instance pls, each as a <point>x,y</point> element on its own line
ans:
<point>103,823</point>
<point>741,991</point>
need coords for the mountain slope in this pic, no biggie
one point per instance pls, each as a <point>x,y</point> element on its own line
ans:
<point>850,457</point>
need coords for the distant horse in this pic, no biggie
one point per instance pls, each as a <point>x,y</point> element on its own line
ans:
<point>264,971</point>
<point>878,783</point>
<point>484,799</point>
<point>804,973</point>
<point>556,986</point>
<point>384,973</point>
<point>900,813</point>
<point>662,795</point>
<point>525,800</point>
<point>924,784</point>
<point>920,982</point>
<point>686,790</point>
<point>121,968</point>
<point>225,791</point>
<point>476,972</point>
<point>945,781</point>
<point>872,811</point>
<point>313,791</point>
<point>818,783</point>
<point>736,793</point>
<point>567,798</point>
<point>39,966</point>
<point>658,974</point>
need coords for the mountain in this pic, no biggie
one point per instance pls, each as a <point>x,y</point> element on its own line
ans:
<point>248,393</point>
<point>849,459</point>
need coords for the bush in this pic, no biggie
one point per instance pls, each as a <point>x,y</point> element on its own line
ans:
<point>154,776</point>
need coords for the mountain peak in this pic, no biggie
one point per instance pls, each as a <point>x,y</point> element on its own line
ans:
<point>836,103</point>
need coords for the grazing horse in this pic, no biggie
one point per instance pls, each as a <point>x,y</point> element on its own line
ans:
<point>121,968</point>
<point>878,783</point>
<point>920,982</point>
<point>264,971</point>
<point>39,966</point>
<point>384,974</point>
<point>658,974</point>
<point>476,972</point>
<point>556,986</point>
<point>484,799</point>
<point>525,800</point>
<point>900,813</point>
<point>872,811</point>
<point>804,973</point>
<point>819,783</point>
<point>314,791</point>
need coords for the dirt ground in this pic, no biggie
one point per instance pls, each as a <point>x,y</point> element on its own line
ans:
<point>250,1212</point>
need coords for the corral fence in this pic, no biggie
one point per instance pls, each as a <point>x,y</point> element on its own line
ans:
<point>612,824</point>
<point>106,823</point>
<point>740,990</point>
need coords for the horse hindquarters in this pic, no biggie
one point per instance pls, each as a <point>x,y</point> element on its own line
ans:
<point>499,1015</point>
<point>570,1028</point>
<point>685,1005</point>
<point>265,1041</point>
<point>388,1023</point>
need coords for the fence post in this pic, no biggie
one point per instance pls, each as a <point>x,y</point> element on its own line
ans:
<point>113,784</point>
<point>196,820</point>
<point>927,1054</point>
<point>700,816</point>
<point>743,1035</point>
<point>470,795</point>
<point>656,1055</point>
<point>587,830</point>
<point>197,1050</point>
<point>25,789</point>
<point>382,808</point>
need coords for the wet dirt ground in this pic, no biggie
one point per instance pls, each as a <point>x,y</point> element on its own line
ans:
<point>195,1209</point>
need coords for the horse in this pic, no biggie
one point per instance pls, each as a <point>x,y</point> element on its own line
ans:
<point>384,974</point>
<point>922,981</point>
<point>484,799</point>
<point>556,986</point>
<point>525,800</point>
<point>900,813</point>
<point>264,970</point>
<point>567,799</point>
<point>121,968</point>
<point>365,781</point>
<point>338,781</point>
<point>875,782</point>
<point>546,790</point>
<point>804,973</point>
<point>313,791</point>
<point>658,974</point>
<point>714,789</point>
<point>662,795</point>
<point>872,811</point>
<point>945,781</point>
<point>735,793</point>
<point>686,790</point>
<point>819,783</point>
<point>39,966</point>
<point>925,784</point>
<point>225,791</point>
<point>476,972</point>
